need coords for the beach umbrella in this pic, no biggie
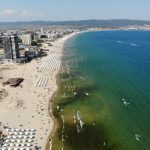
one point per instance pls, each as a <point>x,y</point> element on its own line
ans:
<point>17,130</point>
<point>20,137</point>
<point>18,141</point>
<point>28,148</point>
<point>12,129</point>
<point>5,145</point>
<point>19,145</point>
<point>30,140</point>
<point>33,130</point>
<point>26,137</point>
<point>21,133</point>
<point>10,133</point>
<point>14,137</point>
<point>16,144</point>
<point>7,129</point>
<point>23,130</point>
<point>22,144</point>
<point>28,145</point>
<point>9,136</point>
<point>7,141</point>
<point>11,144</point>
<point>33,133</point>
<point>31,137</point>
<point>15,133</point>
<point>24,140</point>
<point>26,133</point>
<point>23,136</point>
<point>12,140</point>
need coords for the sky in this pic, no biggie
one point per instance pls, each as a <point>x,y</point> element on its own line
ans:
<point>60,10</point>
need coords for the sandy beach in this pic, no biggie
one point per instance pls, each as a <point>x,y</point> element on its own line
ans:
<point>24,110</point>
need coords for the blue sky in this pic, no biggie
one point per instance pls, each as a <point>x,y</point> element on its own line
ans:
<point>30,10</point>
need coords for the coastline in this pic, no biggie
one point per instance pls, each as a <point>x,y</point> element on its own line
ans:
<point>27,106</point>
<point>54,126</point>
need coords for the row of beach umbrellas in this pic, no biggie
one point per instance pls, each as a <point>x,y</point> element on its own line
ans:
<point>18,139</point>
<point>17,145</point>
<point>22,148</point>
<point>17,130</point>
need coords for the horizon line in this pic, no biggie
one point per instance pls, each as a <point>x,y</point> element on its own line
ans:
<point>71,20</point>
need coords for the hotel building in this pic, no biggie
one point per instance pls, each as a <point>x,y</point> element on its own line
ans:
<point>10,45</point>
<point>26,39</point>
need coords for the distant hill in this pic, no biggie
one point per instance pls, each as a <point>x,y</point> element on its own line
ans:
<point>88,23</point>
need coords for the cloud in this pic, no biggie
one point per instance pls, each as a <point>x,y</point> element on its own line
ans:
<point>20,14</point>
<point>28,13</point>
<point>8,12</point>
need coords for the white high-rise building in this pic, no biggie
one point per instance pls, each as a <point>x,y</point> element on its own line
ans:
<point>10,44</point>
<point>26,39</point>
<point>42,31</point>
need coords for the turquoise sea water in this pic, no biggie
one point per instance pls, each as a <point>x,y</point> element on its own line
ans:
<point>104,96</point>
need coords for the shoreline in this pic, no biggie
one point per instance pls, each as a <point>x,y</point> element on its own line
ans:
<point>27,107</point>
<point>52,132</point>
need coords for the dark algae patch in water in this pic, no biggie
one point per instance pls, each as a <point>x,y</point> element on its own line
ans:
<point>90,138</point>
<point>73,89</point>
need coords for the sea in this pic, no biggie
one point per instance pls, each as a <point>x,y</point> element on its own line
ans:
<point>103,100</point>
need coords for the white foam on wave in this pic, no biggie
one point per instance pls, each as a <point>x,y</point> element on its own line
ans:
<point>137,137</point>
<point>125,102</point>
<point>121,42</point>
<point>74,117</point>
<point>78,121</point>
<point>82,78</point>
<point>78,115</point>
<point>132,44</point>
<point>81,123</point>
<point>63,129</point>
<point>126,43</point>
<point>78,129</point>
<point>58,107</point>
<point>75,93</point>
<point>87,94</point>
